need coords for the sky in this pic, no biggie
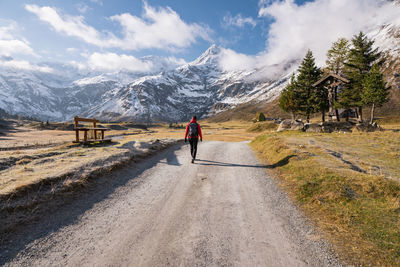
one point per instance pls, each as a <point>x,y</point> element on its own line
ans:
<point>115,35</point>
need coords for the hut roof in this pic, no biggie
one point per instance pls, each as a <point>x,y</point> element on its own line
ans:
<point>331,75</point>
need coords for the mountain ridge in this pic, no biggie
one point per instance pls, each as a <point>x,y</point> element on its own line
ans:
<point>200,87</point>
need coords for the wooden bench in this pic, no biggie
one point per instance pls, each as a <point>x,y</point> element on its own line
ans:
<point>85,131</point>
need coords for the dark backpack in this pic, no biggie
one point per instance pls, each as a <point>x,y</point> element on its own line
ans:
<point>193,130</point>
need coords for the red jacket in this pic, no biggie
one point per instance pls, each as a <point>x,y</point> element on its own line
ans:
<point>198,128</point>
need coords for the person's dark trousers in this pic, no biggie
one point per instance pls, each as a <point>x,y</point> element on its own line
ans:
<point>193,146</point>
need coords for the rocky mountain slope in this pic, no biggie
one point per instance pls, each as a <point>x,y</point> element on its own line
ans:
<point>62,93</point>
<point>199,87</point>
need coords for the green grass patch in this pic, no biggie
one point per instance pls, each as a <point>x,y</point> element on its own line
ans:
<point>358,213</point>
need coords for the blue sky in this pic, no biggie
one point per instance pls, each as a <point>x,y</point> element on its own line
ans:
<point>247,39</point>
<point>88,32</point>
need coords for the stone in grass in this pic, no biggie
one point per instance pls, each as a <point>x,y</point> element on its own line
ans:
<point>289,125</point>
<point>367,127</point>
<point>312,128</point>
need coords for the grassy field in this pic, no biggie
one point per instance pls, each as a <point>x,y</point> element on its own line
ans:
<point>29,155</point>
<point>347,183</point>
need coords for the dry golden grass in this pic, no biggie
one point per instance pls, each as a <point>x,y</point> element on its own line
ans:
<point>232,131</point>
<point>42,154</point>
<point>358,212</point>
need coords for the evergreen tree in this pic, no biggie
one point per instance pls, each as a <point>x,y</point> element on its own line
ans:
<point>309,73</point>
<point>338,55</point>
<point>361,58</point>
<point>288,101</point>
<point>375,91</point>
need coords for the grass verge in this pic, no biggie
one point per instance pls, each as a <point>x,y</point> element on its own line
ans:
<point>358,213</point>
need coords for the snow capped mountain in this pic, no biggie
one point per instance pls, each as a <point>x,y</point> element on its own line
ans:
<point>64,91</point>
<point>200,87</point>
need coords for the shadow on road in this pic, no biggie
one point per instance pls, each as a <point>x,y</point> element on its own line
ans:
<point>67,208</point>
<point>172,160</point>
<point>280,163</point>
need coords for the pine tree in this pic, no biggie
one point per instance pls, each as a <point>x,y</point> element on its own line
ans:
<point>288,101</point>
<point>309,73</point>
<point>375,91</point>
<point>361,58</point>
<point>337,56</point>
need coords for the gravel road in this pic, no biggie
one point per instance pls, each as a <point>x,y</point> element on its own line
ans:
<point>224,210</point>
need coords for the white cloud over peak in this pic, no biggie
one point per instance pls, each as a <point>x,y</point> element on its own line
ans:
<point>230,60</point>
<point>112,62</point>
<point>238,21</point>
<point>315,25</point>
<point>12,45</point>
<point>24,65</point>
<point>160,28</point>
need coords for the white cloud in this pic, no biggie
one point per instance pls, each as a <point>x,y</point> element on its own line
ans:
<point>78,65</point>
<point>174,62</point>
<point>69,25</point>
<point>230,60</point>
<point>82,8</point>
<point>97,2</point>
<point>12,47</point>
<point>71,50</point>
<point>238,21</point>
<point>5,31</point>
<point>10,44</point>
<point>113,62</point>
<point>160,28</point>
<point>24,65</point>
<point>315,25</point>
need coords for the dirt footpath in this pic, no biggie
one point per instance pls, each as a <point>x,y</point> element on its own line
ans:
<point>223,210</point>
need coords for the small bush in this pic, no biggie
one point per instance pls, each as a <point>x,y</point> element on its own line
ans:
<point>260,116</point>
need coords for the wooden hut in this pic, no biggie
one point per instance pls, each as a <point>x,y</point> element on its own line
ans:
<point>332,82</point>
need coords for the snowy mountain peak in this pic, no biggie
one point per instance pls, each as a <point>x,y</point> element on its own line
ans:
<point>211,55</point>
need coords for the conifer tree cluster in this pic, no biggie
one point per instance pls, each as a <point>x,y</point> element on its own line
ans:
<point>300,97</point>
<point>358,62</point>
